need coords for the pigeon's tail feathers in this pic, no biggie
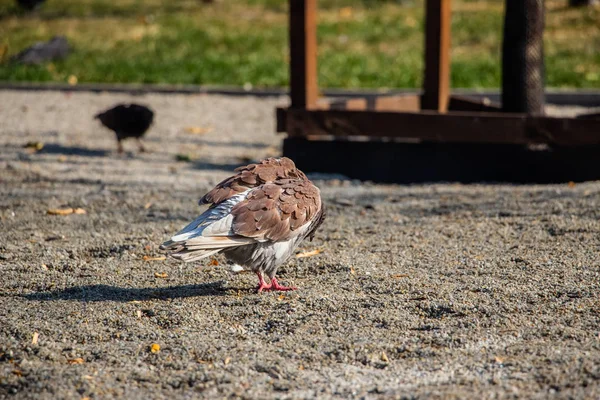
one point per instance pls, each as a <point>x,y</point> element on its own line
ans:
<point>208,234</point>
<point>201,247</point>
<point>189,256</point>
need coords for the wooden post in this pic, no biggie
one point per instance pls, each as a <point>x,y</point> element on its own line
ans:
<point>523,57</point>
<point>436,83</point>
<point>303,53</point>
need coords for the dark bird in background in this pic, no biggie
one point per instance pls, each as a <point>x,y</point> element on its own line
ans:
<point>30,4</point>
<point>127,121</point>
<point>54,49</point>
<point>256,218</point>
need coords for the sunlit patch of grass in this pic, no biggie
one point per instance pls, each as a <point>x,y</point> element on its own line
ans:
<point>365,43</point>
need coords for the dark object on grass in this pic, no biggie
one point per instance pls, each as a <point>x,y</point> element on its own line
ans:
<point>127,121</point>
<point>257,218</point>
<point>523,57</point>
<point>582,3</point>
<point>30,4</point>
<point>40,52</point>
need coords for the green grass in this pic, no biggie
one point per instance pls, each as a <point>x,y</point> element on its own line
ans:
<point>368,43</point>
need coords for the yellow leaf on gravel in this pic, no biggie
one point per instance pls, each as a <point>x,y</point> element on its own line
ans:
<point>155,348</point>
<point>198,130</point>
<point>309,253</point>
<point>148,258</point>
<point>78,360</point>
<point>34,340</point>
<point>213,262</point>
<point>65,211</point>
<point>60,211</point>
<point>161,275</point>
<point>34,146</point>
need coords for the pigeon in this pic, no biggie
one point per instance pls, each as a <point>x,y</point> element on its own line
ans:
<point>127,121</point>
<point>256,218</point>
<point>40,52</point>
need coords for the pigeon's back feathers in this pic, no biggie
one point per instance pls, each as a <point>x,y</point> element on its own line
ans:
<point>251,176</point>
<point>276,211</point>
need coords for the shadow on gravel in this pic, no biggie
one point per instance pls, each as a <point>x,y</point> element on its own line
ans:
<point>113,293</point>
<point>72,151</point>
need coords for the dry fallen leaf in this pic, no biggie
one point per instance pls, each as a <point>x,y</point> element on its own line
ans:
<point>398,276</point>
<point>198,130</point>
<point>78,360</point>
<point>213,262</point>
<point>309,253</point>
<point>384,357</point>
<point>571,184</point>
<point>34,340</point>
<point>34,146</point>
<point>499,360</point>
<point>227,360</point>
<point>62,158</point>
<point>79,211</point>
<point>155,348</point>
<point>159,258</point>
<point>161,275</point>
<point>139,313</point>
<point>60,211</point>
<point>147,205</point>
<point>352,271</point>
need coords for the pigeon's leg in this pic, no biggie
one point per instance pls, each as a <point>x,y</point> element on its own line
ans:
<point>276,286</point>
<point>119,146</point>
<point>141,146</point>
<point>262,285</point>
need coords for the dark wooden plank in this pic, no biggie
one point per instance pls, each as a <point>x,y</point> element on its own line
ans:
<point>431,126</point>
<point>385,161</point>
<point>436,83</point>
<point>303,53</point>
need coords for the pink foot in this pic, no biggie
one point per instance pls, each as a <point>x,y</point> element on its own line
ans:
<point>276,286</point>
<point>262,285</point>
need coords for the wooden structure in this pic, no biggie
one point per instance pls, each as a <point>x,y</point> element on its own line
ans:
<point>427,137</point>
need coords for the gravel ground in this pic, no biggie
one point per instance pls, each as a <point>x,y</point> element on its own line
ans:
<point>437,291</point>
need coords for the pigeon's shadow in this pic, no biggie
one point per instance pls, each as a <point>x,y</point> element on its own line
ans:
<point>114,293</point>
<point>72,151</point>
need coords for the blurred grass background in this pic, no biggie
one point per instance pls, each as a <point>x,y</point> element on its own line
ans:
<point>362,43</point>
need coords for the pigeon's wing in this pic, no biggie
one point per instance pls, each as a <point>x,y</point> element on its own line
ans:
<point>251,176</point>
<point>277,211</point>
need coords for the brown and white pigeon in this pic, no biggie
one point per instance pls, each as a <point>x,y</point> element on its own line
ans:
<point>256,218</point>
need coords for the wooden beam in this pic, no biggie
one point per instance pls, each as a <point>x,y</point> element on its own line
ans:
<point>436,82</point>
<point>303,53</point>
<point>430,126</point>
<point>385,161</point>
